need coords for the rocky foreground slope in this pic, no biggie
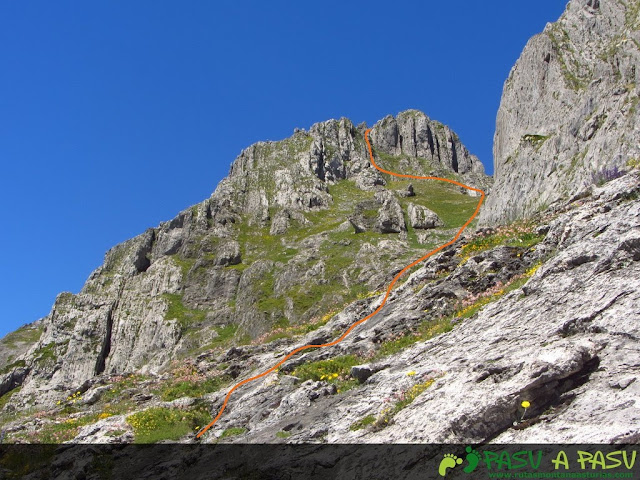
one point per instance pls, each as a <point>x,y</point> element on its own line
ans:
<point>569,112</point>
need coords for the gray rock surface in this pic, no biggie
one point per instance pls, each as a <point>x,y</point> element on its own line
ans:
<point>568,115</point>
<point>422,217</point>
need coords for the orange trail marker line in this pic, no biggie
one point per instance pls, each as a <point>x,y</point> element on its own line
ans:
<point>386,295</point>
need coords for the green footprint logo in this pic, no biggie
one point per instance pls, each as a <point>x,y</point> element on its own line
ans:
<point>472,458</point>
<point>449,461</point>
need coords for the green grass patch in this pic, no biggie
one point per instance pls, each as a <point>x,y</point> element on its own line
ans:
<point>535,140</point>
<point>404,399</point>
<point>427,330</point>
<point>283,434</point>
<point>186,317</point>
<point>453,207</point>
<point>62,430</point>
<point>120,385</point>
<point>518,234</point>
<point>11,366</point>
<point>185,264</point>
<point>474,304</point>
<point>277,336</point>
<point>49,353</point>
<point>26,334</point>
<point>225,336</point>
<point>174,390</point>
<point>233,432</point>
<point>329,370</point>
<point>267,301</point>
<point>362,423</point>
<point>4,399</point>
<point>19,461</point>
<point>159,423</point>
<point>335,370</point>
<point>410,395</point>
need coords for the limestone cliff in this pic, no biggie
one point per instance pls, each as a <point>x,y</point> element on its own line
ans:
<point>568,117</point>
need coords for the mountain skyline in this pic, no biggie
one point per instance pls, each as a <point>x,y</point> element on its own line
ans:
<point>104,103</point>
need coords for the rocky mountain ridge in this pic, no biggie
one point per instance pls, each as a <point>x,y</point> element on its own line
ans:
<point>298,227</point>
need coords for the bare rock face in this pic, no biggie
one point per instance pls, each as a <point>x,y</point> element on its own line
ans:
<point>383,214</point>
<point>568,115</point>
<point>390,216</point>
<point>228,253</point>
<point>422,217</point>
<point>415,135</point>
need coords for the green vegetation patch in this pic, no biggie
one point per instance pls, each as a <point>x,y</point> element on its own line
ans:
<point>569,66</point>
<point>11,366</point>
<point>535,140</point>
<point>427,330</point>
<point>120,384</point>
<point>403,399</point>
<point>49,353</point>
<point>193,389</point>
<point>26,334</point>
<point>225,336</point>
<point>4,399</point>
<point>158,423</point>
<point>185,264</point>
<point>61,430</point>
<point>335,370</point>
<point>362,423</point>
<point>518,234</point>
<point>186,317</point>
<point>233,432</point>
<point>22,460</point>
<point>267,300</point>
<point>453,207</point>
<point>474,303</point>
<point>329,370</point>
<point>290,331</point>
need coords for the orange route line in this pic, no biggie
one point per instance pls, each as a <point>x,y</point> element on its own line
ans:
<point>386,295</point>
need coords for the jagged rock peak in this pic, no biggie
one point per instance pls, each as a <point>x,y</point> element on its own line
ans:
<point>294,173</point>
<point>568,115</point>
<point>413,134</point>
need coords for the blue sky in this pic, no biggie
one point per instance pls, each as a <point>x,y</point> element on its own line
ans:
<point>114,116</point>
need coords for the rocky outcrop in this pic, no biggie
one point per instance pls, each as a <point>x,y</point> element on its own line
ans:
<point>568,115</point>
<point>414,135</point>
<point>422,217</point>
<point>383,215</point>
